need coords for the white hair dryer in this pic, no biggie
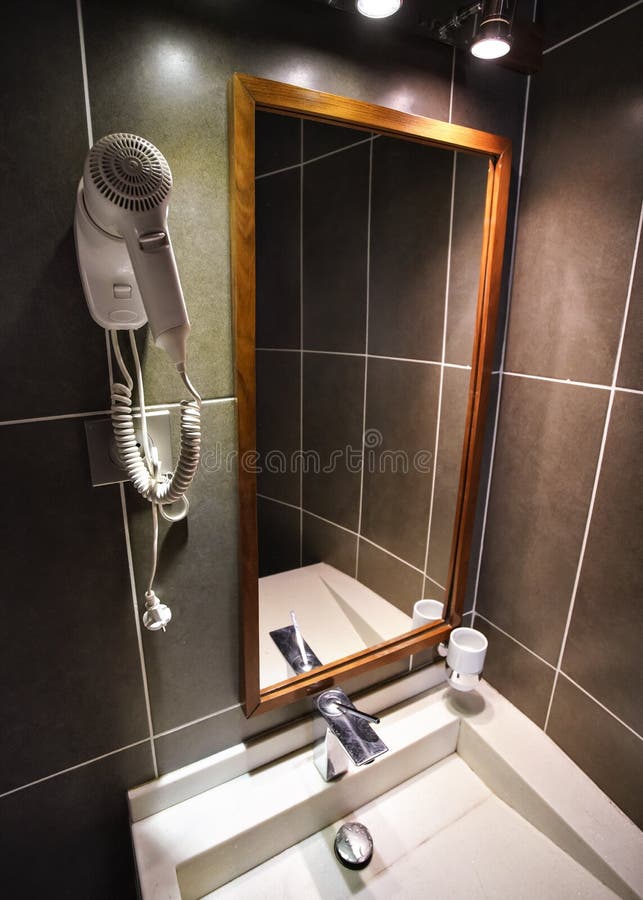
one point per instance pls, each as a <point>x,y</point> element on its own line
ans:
<point>124,251</point>
<point>129,277</point>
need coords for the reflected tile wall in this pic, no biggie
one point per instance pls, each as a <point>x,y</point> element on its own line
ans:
<point>411,200</point>
<point>409,190</point>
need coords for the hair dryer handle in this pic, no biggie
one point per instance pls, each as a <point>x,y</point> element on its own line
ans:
<point>157,276</point>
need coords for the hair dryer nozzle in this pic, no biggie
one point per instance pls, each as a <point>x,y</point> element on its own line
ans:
<point>175,343</point>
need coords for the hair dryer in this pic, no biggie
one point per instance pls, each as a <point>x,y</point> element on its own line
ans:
<point>129,277</point>
<point>123,244</point>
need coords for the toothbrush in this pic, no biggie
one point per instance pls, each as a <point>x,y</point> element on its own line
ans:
<point>300,643</point>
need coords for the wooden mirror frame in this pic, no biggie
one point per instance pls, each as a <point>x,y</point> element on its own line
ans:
<point>247,95</point>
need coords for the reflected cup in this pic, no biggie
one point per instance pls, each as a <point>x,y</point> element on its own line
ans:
<point>427,612</point>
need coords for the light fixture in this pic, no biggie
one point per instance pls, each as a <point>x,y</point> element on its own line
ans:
<point>493,38</point>
<point>378,9</point>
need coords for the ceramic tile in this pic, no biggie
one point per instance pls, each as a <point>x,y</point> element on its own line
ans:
<point>630,372</point>
<point>411,201</point>
<point>610,754</point>
<point>332,427</point>
<point>70,673</point>
<point>519,676</point>
<point>563,20</point>
<point>602,653</point>
<point>79,824</point>
<point>481,499</point>
<point>327,543</point>
<point>278,437</point>
<point>401,411</point>
<point>335,228</point>
<point>218,732</point>
<point>277,247</point>
<point>466,248</point>
<point>277,142</point>
<point>455,394</point>
<point>192,668</point>
<point>578,218</point>
<point>389,577</point>
<point>540,493</point>
<point>52,352</point>
<point>278,536</point>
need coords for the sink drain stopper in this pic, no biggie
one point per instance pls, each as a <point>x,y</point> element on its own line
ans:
<point>354,845</point>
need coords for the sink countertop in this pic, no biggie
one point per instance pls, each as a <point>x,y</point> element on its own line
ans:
<point>529,788</point>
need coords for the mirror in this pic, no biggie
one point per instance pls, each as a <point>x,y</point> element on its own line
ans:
<point>367,247</point>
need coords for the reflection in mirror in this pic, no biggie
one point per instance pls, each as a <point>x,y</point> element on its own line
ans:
<point>368,254</point>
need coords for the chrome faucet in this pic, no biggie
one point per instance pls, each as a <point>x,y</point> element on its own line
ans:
<point>342,732</point>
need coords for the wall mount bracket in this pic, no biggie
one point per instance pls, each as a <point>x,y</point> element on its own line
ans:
<point>103,456</point>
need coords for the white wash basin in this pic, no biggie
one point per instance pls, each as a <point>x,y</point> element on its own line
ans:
<point>472,800</point>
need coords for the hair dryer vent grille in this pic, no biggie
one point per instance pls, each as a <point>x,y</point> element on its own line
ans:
<point>130,172</point>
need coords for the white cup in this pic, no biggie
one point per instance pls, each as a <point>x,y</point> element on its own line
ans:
<point>426,612</point>
<point>465,657</point>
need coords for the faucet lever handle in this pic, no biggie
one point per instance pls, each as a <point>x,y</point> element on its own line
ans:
<point>367,717</point>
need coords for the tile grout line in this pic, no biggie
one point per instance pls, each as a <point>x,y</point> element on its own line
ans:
<point>496,419</point>
<point>436,443</point>
<point>516,641</point>
<point>368,299</point>
<point>568,381</point>
<point>592,27</point>
<point>306,162</point>
<point>433,581</point>
<point>106,412</point>
<point>452,90</point>
<point>308,512</point>
<point>602,706</point>
<point>137,625</point>
<point>597,474</point>
<point>110,376</point>
<point>301,344</point>
<point>284,503</point>
<point>90,136</point>
<point>86,762</point>
<point>424,362</point>
<point>36,419</point>
<point>564,674</point>
<point>83,63</point>
<point>89,762</point>
<point>83,59</point>
<point>198,721</point>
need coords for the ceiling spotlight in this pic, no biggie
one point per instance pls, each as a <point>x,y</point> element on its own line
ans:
<point>378,9</point>
<point>493,38</point>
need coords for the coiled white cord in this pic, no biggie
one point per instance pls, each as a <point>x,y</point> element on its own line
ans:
<point>150,483</point>
<point>144,471</point>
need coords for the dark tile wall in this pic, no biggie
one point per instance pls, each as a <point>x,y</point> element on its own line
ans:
<point>375,234</point>
<point>76,725</point>
<point>334,248</point>
<point>560,590</point>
